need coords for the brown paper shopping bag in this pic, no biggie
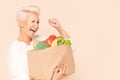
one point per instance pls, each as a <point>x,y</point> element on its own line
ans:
<point>42,63</point>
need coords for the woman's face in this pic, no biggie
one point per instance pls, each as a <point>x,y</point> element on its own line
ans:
<point>31,25</point>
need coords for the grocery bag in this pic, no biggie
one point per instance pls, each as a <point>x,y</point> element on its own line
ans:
<point>42,63</point>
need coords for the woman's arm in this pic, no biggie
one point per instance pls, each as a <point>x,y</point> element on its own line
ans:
<point>55,23</point>
<point>17,62</point>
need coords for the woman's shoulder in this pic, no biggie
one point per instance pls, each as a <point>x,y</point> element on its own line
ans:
<point>17,44</point>
<point>14,43</point>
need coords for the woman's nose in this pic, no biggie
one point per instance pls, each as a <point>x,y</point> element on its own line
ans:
<point>36,25</point>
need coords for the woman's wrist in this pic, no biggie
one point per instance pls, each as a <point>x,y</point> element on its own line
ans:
<point>59,28</point>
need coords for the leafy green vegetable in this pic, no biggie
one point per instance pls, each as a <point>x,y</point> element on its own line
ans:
<point>40,45</point>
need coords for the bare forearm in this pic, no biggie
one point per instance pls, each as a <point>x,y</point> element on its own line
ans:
<point>63,33</point>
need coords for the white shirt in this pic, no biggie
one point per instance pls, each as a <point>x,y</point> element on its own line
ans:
<point>17,59</point>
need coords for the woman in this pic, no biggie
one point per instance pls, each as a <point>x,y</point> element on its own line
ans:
<point>28,22</point>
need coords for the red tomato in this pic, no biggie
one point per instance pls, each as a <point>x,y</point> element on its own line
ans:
<point>49,40</point>
<point>52,37</point>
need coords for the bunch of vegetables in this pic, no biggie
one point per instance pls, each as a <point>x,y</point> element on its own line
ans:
<point>51,41</point>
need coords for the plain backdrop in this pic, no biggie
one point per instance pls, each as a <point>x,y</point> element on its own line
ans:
<point>94,27</point>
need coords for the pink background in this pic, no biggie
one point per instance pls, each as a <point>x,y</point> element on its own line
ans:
<point>94,27</point>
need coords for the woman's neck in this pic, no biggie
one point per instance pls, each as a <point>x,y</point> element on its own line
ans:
<point>25,39</point>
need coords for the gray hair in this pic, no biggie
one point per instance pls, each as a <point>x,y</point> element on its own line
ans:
<point>21,14</point>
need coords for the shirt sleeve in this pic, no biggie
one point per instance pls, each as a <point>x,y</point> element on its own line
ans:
<point>17,64</point>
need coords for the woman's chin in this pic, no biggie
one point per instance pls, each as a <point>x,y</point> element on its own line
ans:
<point>31,36</point>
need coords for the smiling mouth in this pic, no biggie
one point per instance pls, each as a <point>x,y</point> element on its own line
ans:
<point>33,30</point>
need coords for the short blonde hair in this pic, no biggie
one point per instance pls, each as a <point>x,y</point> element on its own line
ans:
<point>27,9</point>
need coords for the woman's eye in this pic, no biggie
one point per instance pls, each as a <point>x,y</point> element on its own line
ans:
<point>33,21</point>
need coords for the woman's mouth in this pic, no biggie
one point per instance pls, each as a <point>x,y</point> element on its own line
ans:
<point>33,30</point>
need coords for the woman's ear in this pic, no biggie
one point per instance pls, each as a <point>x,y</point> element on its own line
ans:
<point>21,23</point>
